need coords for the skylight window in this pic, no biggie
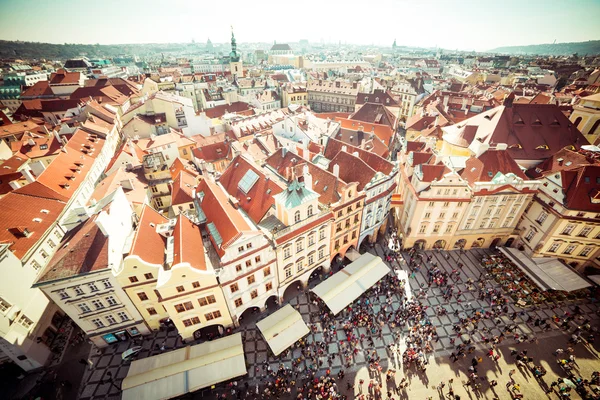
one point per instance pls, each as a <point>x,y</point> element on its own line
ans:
<point>248,181</point>
<point>215,234</point>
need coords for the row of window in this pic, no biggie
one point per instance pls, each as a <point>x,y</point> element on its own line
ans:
<point>301,263</point>
<point>570,249</point>
<point>331,99</point>
<point>110,319</point>
<point>287,250</point>
<point>78,290</point>
<point>98,304</point>
<point>238,268</point>
<point>188,305</point>
<point>298,214</point>
<point>441,215</point>
<point>345,241</point>
<point>250,279</point>
<point>147,276</point>
<point>584,232</point>
<point>445,204</point>
<point>347,224</point>
<point>253,294</point>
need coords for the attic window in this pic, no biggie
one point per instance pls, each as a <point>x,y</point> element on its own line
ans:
<point>586,179</point>
<point>538,170</point>
<point>219,150</point>
<point>490,173</point>
<point>44,211</point>
<point>568,163</point>
<point>542,147</point>
<point>515,146</point>
<point>43,147</point>
<point>37,220</point>
<point>537,122</point>
<point>325,188</point>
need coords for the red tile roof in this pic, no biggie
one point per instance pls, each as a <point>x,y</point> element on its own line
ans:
<point>235,107</point>
<point>378,97</point>
<point>259,198</point>
<point>62,77</point>
<point>352,169</point>
<point>148,244</point>
<point>433,172</point>
<point>488,164</point>
<point>19,212</point>
<point>39,89</point>
<point>184,187</point>
<point>226,218</point>
<point>188,246</point>
<point>531,131</point>
<point>107,94</point>
<point>83,249</point>
<point>582,188</point>
<point>376,162</point>
<point>375,114</point>
<point>43,145</point>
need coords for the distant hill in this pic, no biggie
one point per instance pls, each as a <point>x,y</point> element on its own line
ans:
<point>590,47</point>
<point>29,50</point>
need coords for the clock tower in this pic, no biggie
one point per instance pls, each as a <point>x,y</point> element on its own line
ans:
<point>235,62</point>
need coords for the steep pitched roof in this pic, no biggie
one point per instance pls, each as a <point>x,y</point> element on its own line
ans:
<point>147,243</point>
<point>235,107</point>
<point>184,186</point>
<point>581,188</point>
<point>488,164</point>
<point>188,246</point>
<point>224,217</point>
<point>374,161</point>
<point>375,114</point>
<point>258,199</point>
<point>83,249</point>
<point>531,131</point>
<point>20,214</point>
<point>352,169</point>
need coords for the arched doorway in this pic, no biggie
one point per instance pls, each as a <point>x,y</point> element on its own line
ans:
<point>478,243</point>
<point>439,244</point>
<point>293,290</point>
<point>364,244</point>
<point>272,303</point>
<point>460,244</point>
<point>249,315</point>
<point>495,243</point>
<point>509,242</point>
<point>316,273</point>
<point>420,244</point>
<point>209,332</point>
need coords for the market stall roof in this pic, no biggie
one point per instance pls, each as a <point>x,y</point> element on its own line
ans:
<point>185,370</point>
<point>352,254</point>
<point>282,328</point>
<point>347,285</point>
<point>548,273</point>
<point>595,279</point>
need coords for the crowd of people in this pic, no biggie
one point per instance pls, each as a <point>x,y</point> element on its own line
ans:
<point>484,325</point>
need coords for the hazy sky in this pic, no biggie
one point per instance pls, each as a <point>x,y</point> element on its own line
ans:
<point>465,25</point>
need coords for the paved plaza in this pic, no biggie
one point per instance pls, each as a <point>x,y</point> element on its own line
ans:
<point>104,379</point>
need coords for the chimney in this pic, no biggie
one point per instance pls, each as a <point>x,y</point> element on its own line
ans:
<point>26,172</point>
<point>307,177</point>
<point>102,222</point>
<point>336,170</point>
<point>306,154</point>
<point>14,184</point>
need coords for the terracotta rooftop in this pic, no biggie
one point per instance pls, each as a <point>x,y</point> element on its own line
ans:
<point>235,107</point>
<point>184,187</point>
<point>375,114</point>
<point>83,249</point>
<point>256,200</point>
<point>352,169</point>
<point>374,161</point>
<point>148,244</point>
<point>488,164</point>
<point>25,219</point>
<point>188,246</point>
<point>531,131</point>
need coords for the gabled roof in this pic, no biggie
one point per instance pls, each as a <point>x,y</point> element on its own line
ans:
<point>485,167</point>
<point>258,199</point>
<point>43,145</point>
<point>374,161</point>
<point>39,89</point>
<point>188,246</point>
<point>235,107</point>
<point>83,249</point>
<point>184,187</point>
<point>383,132</point>
<point>581,187</point>
<point>375,114</point>
<point>17,129</point>
<point>124,86</point>
<point>352,169</point>
<point>107,94</point>
<point>62,77</point>
<point>147,243</point>
<point>378,97</point>
<point>226,220</point>
<point>432,172</point>
<point>531,131</point>
<point>25,219</point>
<point>134,186</point>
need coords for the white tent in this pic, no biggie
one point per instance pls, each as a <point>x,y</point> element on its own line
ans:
<point>352,254</point>
<point>348,284</point>
<point>185,370</point>
<point>282,328</point>
<point>548,273</point>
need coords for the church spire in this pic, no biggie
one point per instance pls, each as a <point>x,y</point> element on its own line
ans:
<point>233,56</point>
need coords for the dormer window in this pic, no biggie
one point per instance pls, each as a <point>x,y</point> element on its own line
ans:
<point>297,217</point>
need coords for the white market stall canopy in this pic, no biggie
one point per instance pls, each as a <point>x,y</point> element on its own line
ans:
<point>548,273</point>
<point>595,279</point>
<point>348,284</point>
<point>283,328</point>
<point>352,254</point>
<point>185,370</point>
